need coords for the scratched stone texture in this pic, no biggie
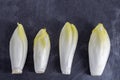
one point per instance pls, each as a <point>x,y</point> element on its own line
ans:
<point>52,14</point>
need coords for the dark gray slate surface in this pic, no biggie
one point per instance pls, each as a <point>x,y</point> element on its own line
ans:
<point>85,14</point>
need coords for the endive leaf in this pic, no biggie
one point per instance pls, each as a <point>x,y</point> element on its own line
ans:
<point>21,32</point>
<point>67,45</point>
<point>40,37</point>
<point>99,49</point>
<point>41,51</point>
<point>18,49</point>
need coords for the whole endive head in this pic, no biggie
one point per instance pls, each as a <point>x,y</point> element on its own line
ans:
<point>67,45</point>
<point>99,49</point>
<point>18,49</point>
<point>41,51</point>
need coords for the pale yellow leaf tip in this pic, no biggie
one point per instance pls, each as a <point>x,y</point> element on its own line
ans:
<point>70,28</point>
<point>99,27</point>
<point>40,37</point>
<point>100,31</point>
<point>21,31</point>
<point>74,29</point>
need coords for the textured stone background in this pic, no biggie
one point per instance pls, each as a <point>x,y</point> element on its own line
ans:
<point>52,14</point>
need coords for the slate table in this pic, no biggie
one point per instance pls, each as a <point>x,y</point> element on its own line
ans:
<point>52,14</point>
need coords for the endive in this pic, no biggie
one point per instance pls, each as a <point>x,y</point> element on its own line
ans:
<point>18,49</point>
<point>99,49</point>
<point>67,45</point>
<point>41,51</point>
